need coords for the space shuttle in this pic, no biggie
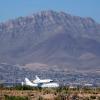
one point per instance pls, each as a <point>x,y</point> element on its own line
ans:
<point>40,83</point>
<point>38,80</point>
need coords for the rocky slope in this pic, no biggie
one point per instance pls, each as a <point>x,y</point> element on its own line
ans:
<point>51,38</point>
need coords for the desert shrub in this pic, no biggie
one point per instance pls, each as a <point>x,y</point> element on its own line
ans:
<point>87,90</point>
<point>59,89</point>
<point>48,90</point>
<point>98,98</point>
<point>98,89</point>
<point>38,89</point>
<point>15,98</point>
<point>60,97</point>
<point>86,98</point>
<point>40,98</point>
<point>19,87</point>
<point>92,97</point>
<point>1,86</point>
<point>75,97</point>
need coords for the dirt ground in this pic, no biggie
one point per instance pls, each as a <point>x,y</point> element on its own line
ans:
<point>35,95</point>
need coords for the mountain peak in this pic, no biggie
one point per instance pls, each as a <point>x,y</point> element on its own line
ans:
<point>48,15</point>
<point>58,13</point>
<point>50,37</point>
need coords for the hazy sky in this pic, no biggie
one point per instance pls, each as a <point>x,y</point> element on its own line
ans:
<point>14,8</point>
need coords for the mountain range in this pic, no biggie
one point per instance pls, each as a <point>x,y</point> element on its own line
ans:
<point>51,40</point>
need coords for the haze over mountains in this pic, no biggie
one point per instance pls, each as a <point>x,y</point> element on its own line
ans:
<point>50,39</point>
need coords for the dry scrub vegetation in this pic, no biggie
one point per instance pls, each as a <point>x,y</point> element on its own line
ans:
<point>61,93</point>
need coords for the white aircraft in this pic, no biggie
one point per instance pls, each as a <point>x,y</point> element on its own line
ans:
<point>40,83</point>
<point>29,83</point>
<point>38,80</point>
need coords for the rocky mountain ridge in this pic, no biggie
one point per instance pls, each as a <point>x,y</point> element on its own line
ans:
<point>52,38</point>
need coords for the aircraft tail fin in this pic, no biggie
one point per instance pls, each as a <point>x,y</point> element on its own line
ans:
<point>37,78</point>
<point>27,81</point>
